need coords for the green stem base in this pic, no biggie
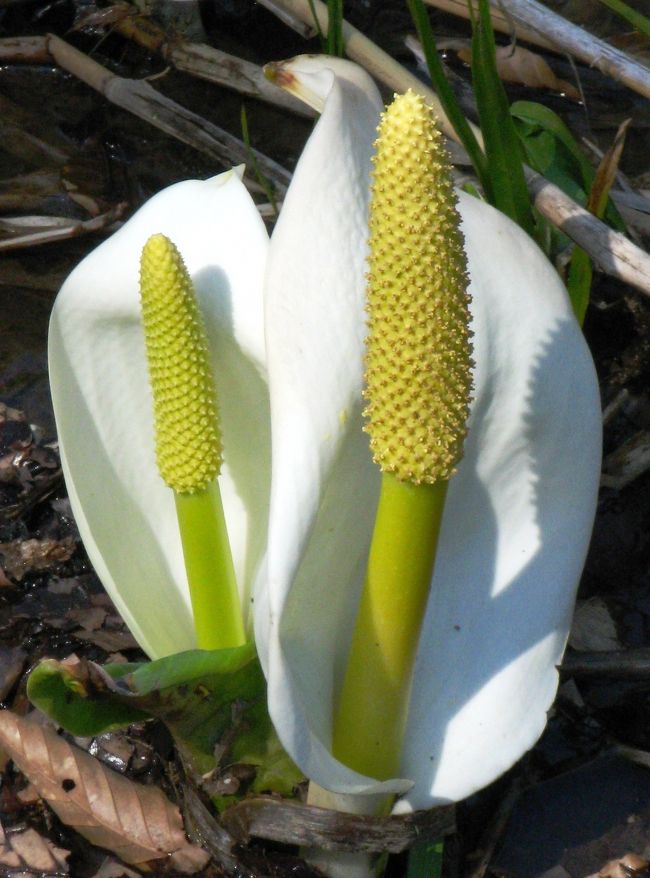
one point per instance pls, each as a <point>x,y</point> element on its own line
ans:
<point>369,723</point>
<point>210,573</point>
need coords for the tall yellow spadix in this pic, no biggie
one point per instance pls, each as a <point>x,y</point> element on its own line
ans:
<point>188,439</point>
<point>418,377</point>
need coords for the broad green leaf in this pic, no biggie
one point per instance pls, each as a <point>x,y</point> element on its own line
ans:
<point>206,699</point>
<point>507,187</point>
<point>552,150</point>
<point>79,699</point>
<point>542,119</point>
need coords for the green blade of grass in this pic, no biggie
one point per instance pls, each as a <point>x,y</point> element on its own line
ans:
<point>425,860</point>
<point>259,176</point>
<point>508,189</point>
<point>319,31</point>
<point>580,268</point>
<point>445,92</point>
<point>335,28</point>
<point>638,21</point>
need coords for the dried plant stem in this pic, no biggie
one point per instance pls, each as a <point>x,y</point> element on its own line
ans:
<point>139,98</point>
<point>501,21</point>
<point>612,252</point>
<point>333,829</point>
<point>19,232</point>
<point>554,31</point>
<point>206,62</point>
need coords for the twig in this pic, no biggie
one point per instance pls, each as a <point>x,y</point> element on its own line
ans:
<point>139,98</point>
<point>627,462</point>
<point>309,826</point>
<point>619,664</point>
<point>501,22</point>
<point>612,252</point>
<point>28,50</point>
<point>306,29</point>
<point>208,63</point>
<point>496,826</point>
<point>531,16</point>
<point>30,231</point>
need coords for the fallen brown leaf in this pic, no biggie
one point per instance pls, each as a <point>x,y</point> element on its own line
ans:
<point>30,855</point>
<point>519,65</point>
<point>629,866</point>
<point>24,556</point>
<point>136,822</point>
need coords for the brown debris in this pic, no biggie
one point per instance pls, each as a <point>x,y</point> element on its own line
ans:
<point>306,825</point>
<point>136,822</point>
<point>20,557</point>
<point>629,866</point>
<point>27,854</point>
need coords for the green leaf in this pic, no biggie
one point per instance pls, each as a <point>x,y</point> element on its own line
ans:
<point>507,185</point>
<point>552,150</point>
<point>425,860</point>
<point>60,691</point>
<point>207,699</point>
<point>445,92</point>
<point>579,282</point>
<point>541,119</point>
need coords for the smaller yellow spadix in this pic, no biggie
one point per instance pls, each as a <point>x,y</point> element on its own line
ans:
<point>188,439</point>
<point>418,377</point>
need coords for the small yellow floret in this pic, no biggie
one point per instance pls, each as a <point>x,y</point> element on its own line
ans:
<point>418,361</point>
<point>188,438</point>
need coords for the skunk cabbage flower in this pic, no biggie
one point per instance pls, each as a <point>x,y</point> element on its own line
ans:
<point>286,326</point>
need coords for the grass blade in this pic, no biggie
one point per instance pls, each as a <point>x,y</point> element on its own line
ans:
<point>638,21</point>
<point>444,90</point>
<point>425,860</point>
<point>508,190</point>
<point>335,28</point>
<point>580,268</point>
<point>264,182</point>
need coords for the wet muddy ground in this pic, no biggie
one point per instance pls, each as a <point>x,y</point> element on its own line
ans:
<point>582,796</point>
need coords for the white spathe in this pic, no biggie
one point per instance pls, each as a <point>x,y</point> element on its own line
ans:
<point>286,326</point>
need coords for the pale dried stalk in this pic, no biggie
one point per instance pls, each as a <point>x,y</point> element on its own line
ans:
<point>28,50</point>
<point>206,62</point>
<point>501,22</point>
<point>290,18</point>
<point>139,98</point>
<point>23,232</point>
<point>197,59</point>
<point>566,37</point>
<point>611,251</point>
<point>292,823</point>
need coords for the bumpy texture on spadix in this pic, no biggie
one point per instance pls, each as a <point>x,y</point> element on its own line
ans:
<point>418,357</point>
<point>188,438</point>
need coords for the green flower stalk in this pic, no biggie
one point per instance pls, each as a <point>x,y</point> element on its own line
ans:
<point>418,377</point>
<point>188,439</point>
